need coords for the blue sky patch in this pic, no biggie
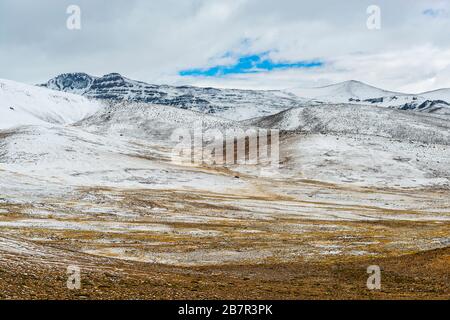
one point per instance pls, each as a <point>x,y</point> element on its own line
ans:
<point>434,13</point>
<point>250,64</point>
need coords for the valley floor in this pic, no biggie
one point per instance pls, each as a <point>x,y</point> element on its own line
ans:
<point>422,275</point>
<point>173,244</point>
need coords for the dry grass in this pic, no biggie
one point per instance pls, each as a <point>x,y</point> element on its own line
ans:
<point>301,264</point>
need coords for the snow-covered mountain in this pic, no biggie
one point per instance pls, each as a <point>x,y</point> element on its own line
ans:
<point>229,103</point>
<point>343,92</point>
<point>82,141</point>
<point>237,104</point>
<point>65,140</point>
<point>348,119</point>
<point>22,104</point>
<point>440,94</point>
<point>363,145</point>
<point>356,92</point>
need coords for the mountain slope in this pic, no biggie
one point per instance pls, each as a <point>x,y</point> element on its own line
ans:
<point>356,92</point>
<point>74,83</point>
<point>360,120</point>
<point>342,92</point>
<point>146,122</point>
<point>440,94</point>
<point>229,103</point>
<point>362,145</point>
<point>245,104</point>
<point>22,104</point>
<point>64,141</point>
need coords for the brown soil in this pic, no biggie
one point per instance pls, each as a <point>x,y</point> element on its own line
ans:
<point>424,275</point>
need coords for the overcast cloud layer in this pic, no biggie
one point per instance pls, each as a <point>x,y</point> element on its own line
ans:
<point>154,41</point>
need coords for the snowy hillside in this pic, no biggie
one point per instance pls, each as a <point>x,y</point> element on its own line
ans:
<point>155,123</point>
<point>342,92</point>
<point>22,104</point>
<point>361,120</point>
<point>228,103</point>
<point>76,141</point>
<point>440,94</point>
<point>363,145</point>
<point>364,160</point>
<point>356,92</point>
<point>64,141</point>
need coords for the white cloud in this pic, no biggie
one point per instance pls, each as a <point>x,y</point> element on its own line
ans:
<point>154,40</point>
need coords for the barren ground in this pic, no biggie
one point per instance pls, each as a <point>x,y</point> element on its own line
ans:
<point>157,244</point>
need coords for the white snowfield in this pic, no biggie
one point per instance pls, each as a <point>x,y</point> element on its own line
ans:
<point>22,104</point>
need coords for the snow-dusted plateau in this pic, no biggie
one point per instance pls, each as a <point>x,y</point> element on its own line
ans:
<point>87,179</point>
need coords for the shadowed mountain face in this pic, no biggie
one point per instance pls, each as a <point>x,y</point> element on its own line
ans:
<point>229,103</point>
<point>73,82</point>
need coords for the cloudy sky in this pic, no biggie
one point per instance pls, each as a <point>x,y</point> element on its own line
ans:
<point>231,43</point>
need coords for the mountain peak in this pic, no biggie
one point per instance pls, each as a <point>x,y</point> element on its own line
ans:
<point>113,75</point>
<point>342,92</point>
<point>439,94</point>
<point>111,80</point>
<point>72,76</point>
<point>352,84</point>
<point>114,87</point>
<point>80,82</point>
<point>231,103</point>
<point>76,82</point>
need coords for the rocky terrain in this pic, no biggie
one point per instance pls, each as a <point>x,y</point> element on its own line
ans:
<point>233,104</point>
